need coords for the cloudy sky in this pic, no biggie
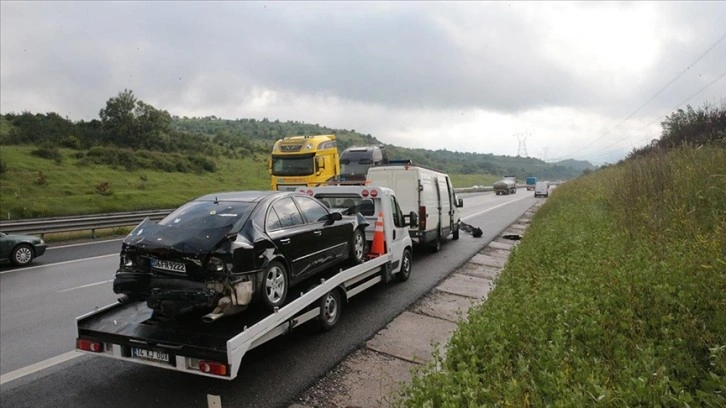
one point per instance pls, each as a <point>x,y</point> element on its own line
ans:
<point>589,81</point>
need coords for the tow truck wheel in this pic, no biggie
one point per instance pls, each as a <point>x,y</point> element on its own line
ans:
<point>330,309</point>
<point>22,255</point>
<point>275,285</point>
<point>405,272</point>
<point>358,247</point>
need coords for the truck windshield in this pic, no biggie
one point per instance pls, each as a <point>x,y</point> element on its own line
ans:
<point>293,166</point>
<point>353,168</point>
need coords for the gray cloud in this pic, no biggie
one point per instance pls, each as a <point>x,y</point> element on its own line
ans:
<point>387,60</point>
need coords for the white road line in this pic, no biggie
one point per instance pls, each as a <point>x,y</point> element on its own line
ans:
<point>85,286</point>
<point>56,264</point>
<point>84,243</point>
<point>39,366</point>
<point>489,209</point>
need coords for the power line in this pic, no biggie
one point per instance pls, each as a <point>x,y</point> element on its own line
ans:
<point>700,57</point>
<point>718,78</point>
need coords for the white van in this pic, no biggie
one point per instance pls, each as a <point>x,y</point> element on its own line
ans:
<point>542,189</point>
<point>426,192</point>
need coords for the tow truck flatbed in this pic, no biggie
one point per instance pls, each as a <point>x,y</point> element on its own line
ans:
<point>130,331</point>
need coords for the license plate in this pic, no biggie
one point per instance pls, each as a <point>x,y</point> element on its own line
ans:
<point>168,265</point>
<point>150,354</point>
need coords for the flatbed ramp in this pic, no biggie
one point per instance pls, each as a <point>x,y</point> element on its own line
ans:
<point>130,331</point>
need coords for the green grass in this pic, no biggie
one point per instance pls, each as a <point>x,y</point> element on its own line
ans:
<point>64,184</point>
<point>615,297</point>
<point>71,188</point>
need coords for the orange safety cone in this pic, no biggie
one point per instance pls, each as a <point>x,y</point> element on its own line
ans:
<point>378,245</point>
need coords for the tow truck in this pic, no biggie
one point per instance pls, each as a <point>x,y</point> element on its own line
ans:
<point>130,331</point>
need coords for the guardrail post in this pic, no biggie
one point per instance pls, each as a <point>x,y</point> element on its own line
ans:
<point>93,233</point>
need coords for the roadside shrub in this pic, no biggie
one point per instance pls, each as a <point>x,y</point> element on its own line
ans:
<point>3,166</point>
<point>48,153</point>
<point>42,179</point>
<point>104,188</point>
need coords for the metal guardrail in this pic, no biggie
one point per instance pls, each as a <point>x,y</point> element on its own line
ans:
<point>41,226</point>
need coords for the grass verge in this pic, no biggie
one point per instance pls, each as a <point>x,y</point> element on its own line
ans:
<point>615,297</point>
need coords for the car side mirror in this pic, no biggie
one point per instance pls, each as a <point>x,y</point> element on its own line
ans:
<point>336,216</point>
<point>460,203</point>
<point>412,219</point>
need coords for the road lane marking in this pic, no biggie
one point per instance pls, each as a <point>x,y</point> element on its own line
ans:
<point>57,263</point>
<point>86,286</point>
<point>39,366</point>
<point>490,209</point>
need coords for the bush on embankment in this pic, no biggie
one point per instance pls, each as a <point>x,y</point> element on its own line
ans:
<point>616,296</point>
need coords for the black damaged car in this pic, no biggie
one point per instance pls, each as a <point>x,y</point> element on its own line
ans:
<point>221,252</point>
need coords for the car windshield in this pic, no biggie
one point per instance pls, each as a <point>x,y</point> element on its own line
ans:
<point>208,215</point>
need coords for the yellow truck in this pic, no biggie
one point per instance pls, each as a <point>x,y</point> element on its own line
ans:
<point>304,161</point>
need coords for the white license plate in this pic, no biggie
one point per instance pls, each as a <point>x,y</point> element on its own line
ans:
<point>168,265</point>
<point>150,354</point>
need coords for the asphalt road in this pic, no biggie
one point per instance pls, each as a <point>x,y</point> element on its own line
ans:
<point>38,306</point>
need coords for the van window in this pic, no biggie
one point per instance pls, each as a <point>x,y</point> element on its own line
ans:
<point>398,220</point>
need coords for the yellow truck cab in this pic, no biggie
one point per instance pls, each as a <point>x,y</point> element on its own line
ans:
<point>303,161</point>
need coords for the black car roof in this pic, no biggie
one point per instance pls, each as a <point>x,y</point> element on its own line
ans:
<point>243,196</point>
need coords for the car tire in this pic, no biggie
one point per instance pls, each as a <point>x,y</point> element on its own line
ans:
<point>406,264</point>
<point>330,310</point>
<point>22,255</point>
<point>358,247</point>
<point>275,285</point>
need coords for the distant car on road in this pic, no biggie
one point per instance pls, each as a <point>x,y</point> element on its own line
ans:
<point>20,250</point>
<point>542,189</point>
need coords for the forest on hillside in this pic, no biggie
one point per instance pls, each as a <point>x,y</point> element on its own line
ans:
<point>129,123</point>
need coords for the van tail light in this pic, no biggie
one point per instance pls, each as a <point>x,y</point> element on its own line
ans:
<point>422,217</point>
<point>213,367</point>
<point>89,345</point>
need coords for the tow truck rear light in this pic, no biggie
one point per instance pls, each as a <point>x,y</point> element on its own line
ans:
<point>212,367</point>
<point>374,193</point>
<point>364,193</point>
<point>89,345</point>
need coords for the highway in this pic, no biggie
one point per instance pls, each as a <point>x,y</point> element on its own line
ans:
<point>39,304</point>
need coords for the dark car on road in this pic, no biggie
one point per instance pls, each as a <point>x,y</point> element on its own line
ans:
<point>225,251</point>
<point>20,250</point>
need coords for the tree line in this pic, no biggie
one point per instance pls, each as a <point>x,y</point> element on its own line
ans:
<point>126,122</point>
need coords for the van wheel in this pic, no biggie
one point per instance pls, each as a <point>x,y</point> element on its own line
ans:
<point>275,285</point>
<point>406,263</point>
<point>330,309</point>
<point>435,245</point>
<point>455,234</point>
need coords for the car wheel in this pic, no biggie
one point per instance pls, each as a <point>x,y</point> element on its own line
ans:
<point>330,309</point>
<point>22,255</point>
<point>406,263</point>
<point>275,285</point>
<point>358,247</point>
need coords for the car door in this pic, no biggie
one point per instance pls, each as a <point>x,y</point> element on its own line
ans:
<point>290,234</point>
<point>330,238</point>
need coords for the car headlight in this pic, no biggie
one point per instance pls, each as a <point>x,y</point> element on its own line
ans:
<point>215,264</point>
<point>126,261</point>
